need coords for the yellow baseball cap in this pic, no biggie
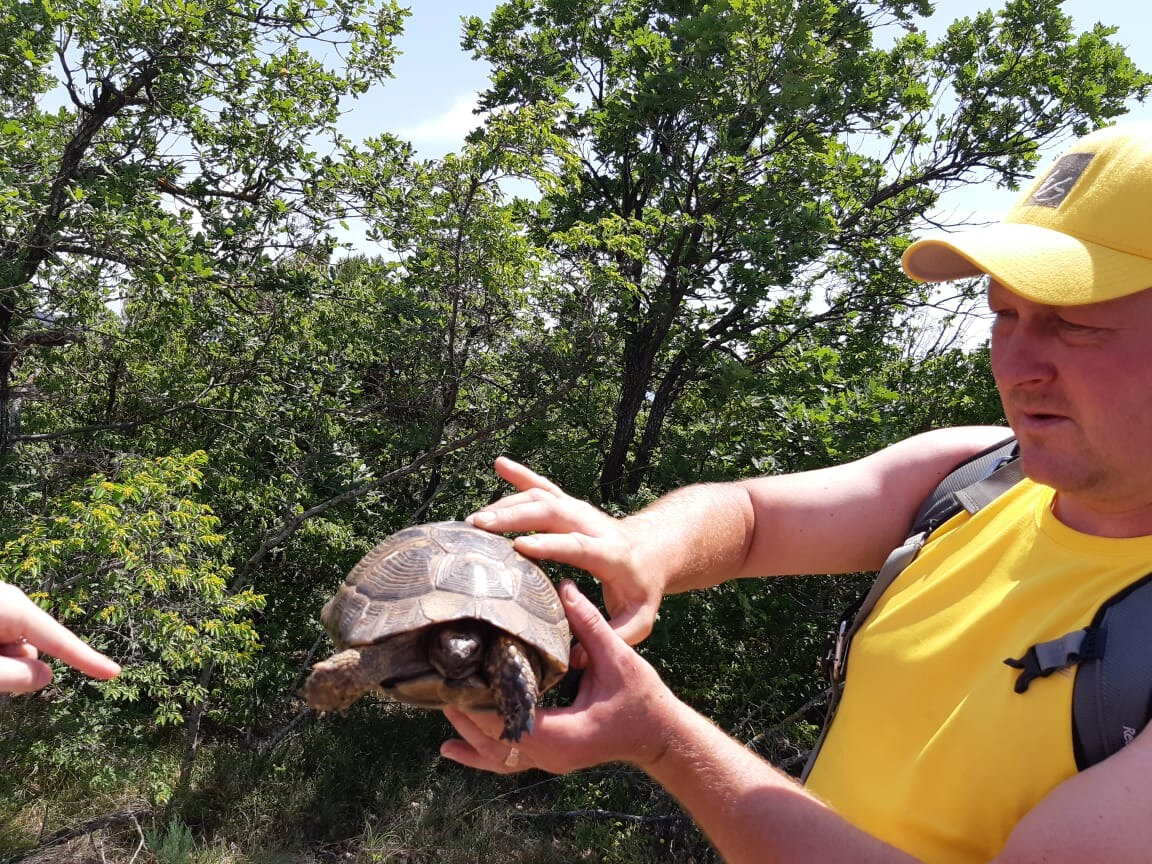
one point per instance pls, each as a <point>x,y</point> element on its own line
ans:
<point>1081,234</point>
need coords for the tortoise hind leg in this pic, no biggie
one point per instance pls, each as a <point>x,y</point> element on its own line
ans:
<point>513,677</point>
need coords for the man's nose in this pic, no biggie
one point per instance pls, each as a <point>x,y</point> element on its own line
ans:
<point>1022,355</point>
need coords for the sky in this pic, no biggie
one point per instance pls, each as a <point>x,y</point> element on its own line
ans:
<point>430,100</point>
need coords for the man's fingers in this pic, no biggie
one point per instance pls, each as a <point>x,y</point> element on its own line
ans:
<point>634,624</point>
<point>23,674</point>
<point>461,751</point>
<point>586,622</point>
<point>475,727</point>
<point>479,745</point>
<point>573,548</point>
<point>523,477</point>
<point>511,502</point>
<point>537,513</point>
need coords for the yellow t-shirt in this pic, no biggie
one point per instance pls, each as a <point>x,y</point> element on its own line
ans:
<point>931,749</point>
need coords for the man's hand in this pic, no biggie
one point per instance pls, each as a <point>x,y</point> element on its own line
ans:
<point>25,631</point>
<point>624,713</point>
<point>574,532</point>
<point>617,716</point>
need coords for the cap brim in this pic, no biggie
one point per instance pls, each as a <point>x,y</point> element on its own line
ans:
<point>1043,265</point>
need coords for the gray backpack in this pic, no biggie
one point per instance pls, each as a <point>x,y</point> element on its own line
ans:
<point>1112,694</point>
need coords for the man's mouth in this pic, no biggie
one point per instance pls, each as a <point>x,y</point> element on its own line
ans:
<point>1039,419</point>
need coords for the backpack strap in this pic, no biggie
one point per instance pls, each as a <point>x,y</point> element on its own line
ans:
<point>970,486</point>
<point>1044,658</point>
<point>1112,697</point>
<point>1112,694</point>
<point>960,490</point>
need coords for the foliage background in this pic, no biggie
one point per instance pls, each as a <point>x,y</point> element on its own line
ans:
<point>668,254</point>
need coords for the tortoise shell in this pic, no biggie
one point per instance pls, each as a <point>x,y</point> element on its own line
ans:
<point>442,572</point>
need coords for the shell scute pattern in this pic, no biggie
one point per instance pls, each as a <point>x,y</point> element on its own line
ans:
<point>472,575</point>
<point>399,573</point>
<point>444,614</point>
<point>442,572</point>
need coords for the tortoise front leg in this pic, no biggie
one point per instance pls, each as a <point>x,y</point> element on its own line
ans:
<point>513,678</point>
<point>343,678</point>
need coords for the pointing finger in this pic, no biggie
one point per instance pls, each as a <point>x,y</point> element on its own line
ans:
<point>54,638</point>
<point>21,619</point>
<point>20,650</point>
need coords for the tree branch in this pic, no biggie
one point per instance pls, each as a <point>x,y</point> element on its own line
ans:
<point>109,820</point>
<point>127,424</point>
<point>598,815</point>
<point>290,526</point>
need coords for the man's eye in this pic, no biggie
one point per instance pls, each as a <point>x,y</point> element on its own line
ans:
<point>1074,327</point>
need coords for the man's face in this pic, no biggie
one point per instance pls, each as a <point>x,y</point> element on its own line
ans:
<point>1076,383</point>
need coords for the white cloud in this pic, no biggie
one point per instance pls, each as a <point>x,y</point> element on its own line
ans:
<point>445,131</point>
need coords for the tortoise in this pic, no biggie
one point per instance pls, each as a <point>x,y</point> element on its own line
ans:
<point>444,614</point>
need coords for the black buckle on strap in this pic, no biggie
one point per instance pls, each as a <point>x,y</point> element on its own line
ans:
<point>1044,658</point>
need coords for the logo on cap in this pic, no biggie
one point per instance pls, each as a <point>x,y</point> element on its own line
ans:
<point>1055,187</point>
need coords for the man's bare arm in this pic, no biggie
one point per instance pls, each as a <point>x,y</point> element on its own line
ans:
<point>834,520</point>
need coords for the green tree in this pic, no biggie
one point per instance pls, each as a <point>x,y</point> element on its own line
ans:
<point>137,564</point>
<point>169,183</point>
<point>486,328</point>
<point>754,169</point>
<point>183,156</point>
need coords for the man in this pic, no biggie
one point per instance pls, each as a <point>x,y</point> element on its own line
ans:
<point>933,755</point>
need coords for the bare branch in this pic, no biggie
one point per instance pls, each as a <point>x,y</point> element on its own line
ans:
<point>597,815</point>
<point>109,820</point>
